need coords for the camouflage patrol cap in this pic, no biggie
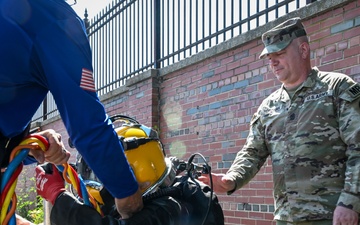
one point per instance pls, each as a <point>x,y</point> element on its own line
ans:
<point>279,37</point>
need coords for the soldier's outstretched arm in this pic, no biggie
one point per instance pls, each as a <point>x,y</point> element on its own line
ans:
<point>221,182</point>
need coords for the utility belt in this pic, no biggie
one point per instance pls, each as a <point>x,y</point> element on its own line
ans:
<point>8,144</point>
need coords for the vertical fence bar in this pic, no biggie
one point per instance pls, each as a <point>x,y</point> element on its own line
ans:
<point>157,36</point>
<point>216,21</point>
<point>232,18</point>
<point>173,29</point>
<point>190,24</point>
<point>133,39</point>
<point>112,53</point>
<point>123,45</point>
<point>45,108</point>
<point>101,50</point>
<point>267,13</point>
<point>116,51</point>
<point>257,11</point>
<point>146,32</point>
<point>138,36</point>
<point>224,19</point>
<point>130,40</point>
<point>197,24</point>
<point>127,46</point>
<point>248,10</point>
<point>240,15</point>
<point>210,22</point>
<point>168,30</point>
<point>144,62</point>
<point>102,53</point>
<point>287,8</point>
<point>184,27</point>
<point>163,29</point>
<point>108,53</point>
<point>178,29</point>
<point>203,23</point>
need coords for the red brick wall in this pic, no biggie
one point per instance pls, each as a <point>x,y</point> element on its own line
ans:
<point>214,100</point>
<point>206,107</point>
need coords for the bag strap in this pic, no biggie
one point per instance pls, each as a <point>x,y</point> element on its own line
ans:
<point>8,144</point>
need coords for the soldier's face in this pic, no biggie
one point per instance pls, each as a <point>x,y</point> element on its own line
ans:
<point>285,64</point>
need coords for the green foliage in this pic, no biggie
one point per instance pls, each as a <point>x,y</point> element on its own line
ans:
<point>29,205</point>
<point>37,214</point>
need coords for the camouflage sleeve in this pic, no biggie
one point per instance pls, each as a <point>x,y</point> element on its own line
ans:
<point>349,126</point>
<point>249,160</point>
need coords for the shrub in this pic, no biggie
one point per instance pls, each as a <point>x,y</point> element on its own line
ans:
<point>29,205</point>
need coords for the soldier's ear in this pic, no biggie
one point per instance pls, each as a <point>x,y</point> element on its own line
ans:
<point>304,50</point>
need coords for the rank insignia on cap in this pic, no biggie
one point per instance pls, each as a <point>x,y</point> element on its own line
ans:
<point>279,37</point>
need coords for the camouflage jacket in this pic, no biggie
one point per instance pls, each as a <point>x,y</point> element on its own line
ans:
<point>313,140</point>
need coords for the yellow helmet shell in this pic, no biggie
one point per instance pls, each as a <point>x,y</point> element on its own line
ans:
<point>147,160</point>
<point>148,164</point>
<point>128,131</point>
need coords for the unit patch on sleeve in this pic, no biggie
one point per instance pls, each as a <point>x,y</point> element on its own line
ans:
<point>354,90</point>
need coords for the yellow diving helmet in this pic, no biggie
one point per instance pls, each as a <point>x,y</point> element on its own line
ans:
<point>143,151</point>
<point>145,154</point>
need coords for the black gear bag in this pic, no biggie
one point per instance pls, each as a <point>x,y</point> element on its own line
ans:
<point>187,202</point>
<point>203,205</point>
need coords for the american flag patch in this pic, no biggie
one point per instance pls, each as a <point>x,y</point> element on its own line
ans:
<point>87,81</point>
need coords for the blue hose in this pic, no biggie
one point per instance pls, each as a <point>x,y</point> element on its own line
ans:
<point>13,166</point>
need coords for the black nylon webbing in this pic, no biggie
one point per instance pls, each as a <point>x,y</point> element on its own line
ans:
<point>136,142</point>
<point>8,144</point>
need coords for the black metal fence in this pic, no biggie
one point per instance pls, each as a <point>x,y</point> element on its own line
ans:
<point>132,36</point>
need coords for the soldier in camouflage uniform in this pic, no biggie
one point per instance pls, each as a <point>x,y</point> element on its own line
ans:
<point>310,128</point>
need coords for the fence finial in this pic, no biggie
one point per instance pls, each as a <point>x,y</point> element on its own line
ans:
<point>86,20</point>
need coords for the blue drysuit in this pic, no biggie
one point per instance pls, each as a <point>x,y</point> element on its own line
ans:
<point>44,47</point>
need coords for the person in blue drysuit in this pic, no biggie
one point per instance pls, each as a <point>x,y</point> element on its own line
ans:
<point>44,47</point>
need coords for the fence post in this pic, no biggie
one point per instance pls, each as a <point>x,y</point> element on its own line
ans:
<point>86,21</point>
<point>45,108</point>
<point>157,38</point>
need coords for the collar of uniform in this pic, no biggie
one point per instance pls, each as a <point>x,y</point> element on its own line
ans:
<point>309,82</point>
<point>311,79</point>
<point>283,97</point>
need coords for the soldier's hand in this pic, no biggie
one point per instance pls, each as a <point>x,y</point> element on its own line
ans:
<point>221,182</point>
<point>345,216</point>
